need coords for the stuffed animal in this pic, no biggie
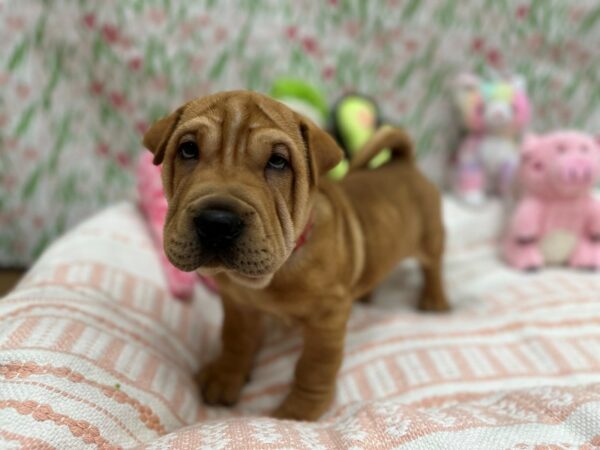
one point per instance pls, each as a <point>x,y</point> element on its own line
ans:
<point>354,119</point>
<point>302,97</point>
<point>153,204</point>
<point>494,115</point>
<point>557,220</point>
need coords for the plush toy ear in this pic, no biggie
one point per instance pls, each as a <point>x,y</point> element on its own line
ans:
<point>530,141</point>
<point>157,136</point>
<point>467,81</point>
<point>519,83</point>
<point>322,152</point>
<point>463,86</point>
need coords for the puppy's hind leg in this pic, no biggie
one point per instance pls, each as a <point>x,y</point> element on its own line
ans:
<point>433,295</point>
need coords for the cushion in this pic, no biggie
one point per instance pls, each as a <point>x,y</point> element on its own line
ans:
<point>94,353</point>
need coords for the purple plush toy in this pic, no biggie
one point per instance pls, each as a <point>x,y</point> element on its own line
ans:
<point>494,115</point>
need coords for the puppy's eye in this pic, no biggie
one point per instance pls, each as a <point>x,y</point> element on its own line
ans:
<point>277,162</point>
<point>188,150</point>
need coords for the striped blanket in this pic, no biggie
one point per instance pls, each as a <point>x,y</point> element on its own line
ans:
<point>95,354</point>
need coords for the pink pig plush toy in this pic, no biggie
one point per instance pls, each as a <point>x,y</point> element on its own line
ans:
<point>557,220</point>
<point>494,114</point>
<point>154,206</point>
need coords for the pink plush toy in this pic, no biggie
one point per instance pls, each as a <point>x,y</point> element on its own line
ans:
<point>153,204</point>
<point>557,220</point>
<point>494,114</point>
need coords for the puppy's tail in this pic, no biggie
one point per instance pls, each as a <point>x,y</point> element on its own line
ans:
<point>393,138</point>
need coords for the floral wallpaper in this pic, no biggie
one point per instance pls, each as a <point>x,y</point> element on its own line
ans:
<point>81,80</point>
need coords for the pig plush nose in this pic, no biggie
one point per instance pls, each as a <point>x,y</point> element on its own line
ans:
<point>578,171</point>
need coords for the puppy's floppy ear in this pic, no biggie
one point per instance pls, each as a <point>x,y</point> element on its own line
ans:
<point>322,152</point>
<point>157,136</point>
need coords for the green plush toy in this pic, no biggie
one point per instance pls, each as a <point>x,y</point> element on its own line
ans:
<point>302,98</point>
<point>354,119</point>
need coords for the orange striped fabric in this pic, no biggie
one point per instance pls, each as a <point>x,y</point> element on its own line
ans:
<point>93,352</point>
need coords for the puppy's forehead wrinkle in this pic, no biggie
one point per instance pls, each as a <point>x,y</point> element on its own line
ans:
<point>236,117</point>
<point>197,108</point>
<point>274,115</point>
<point>230,106</point>
<point>233,122</point>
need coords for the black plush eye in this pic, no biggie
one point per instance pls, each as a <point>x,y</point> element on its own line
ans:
<point>277,162</point>
<point>188,150</point>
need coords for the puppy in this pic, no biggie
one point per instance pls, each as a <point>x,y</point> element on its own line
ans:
<point>248,205</point>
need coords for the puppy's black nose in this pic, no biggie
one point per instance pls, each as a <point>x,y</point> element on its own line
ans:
<point>218,227</point>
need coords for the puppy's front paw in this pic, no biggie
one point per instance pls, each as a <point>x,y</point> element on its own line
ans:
<point>220,386</point>
<point>432,304</point>
<point>296,407</point>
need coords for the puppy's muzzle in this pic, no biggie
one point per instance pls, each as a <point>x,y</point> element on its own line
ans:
<point>218,228</point>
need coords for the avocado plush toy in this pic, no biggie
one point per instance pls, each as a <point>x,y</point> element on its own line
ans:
<point>353,121</point>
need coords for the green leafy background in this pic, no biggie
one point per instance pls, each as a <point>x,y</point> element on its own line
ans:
<point>81,80</point>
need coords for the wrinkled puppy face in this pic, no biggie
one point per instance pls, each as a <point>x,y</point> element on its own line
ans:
<point>238,171</point>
